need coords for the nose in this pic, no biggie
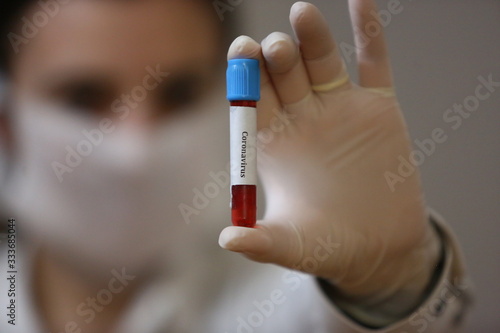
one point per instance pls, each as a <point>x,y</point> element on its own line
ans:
<point>144,114</point>
<point>139,102</point>
<point>140,114</point>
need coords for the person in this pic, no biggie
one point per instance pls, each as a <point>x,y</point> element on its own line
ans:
<point>115,142</point>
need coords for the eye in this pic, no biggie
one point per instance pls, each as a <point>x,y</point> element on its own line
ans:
<point>87,93</point>
<point>87,96</point>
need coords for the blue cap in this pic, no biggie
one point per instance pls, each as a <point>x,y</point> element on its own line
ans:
<point>243,80</point>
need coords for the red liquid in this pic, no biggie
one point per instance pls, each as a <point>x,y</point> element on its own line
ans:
<point>244,197</point>
<point>251,104</point>
<point>244,205</point>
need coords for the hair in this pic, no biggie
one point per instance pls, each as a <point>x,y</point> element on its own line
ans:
<point>11,13</point>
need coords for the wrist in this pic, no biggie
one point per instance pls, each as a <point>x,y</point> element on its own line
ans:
<point>397,290</point>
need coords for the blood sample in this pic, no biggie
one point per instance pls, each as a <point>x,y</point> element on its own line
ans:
<point>243,92</point>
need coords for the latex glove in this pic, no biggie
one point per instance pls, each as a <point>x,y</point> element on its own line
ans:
<point>330,211</point>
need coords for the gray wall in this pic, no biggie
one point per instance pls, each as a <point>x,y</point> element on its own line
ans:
<point>439,48</point>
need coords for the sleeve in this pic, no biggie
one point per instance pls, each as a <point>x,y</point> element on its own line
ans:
<point>442,309</point>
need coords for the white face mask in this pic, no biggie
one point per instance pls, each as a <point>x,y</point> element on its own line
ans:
<point>119,205</point>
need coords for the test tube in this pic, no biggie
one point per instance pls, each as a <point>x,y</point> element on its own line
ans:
<point>243,92</point>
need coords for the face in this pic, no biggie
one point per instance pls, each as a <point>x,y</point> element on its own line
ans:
<point>158,60</point>
<point>94,52</point>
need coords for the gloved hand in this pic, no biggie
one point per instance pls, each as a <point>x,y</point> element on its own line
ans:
<point>331,211</point>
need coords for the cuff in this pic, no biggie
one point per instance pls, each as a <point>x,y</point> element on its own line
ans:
<point>447,295</point>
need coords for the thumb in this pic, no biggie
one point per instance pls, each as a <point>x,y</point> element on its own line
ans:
<point>277,243</point>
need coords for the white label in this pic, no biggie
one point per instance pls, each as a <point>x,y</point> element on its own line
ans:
<point>243,128</point>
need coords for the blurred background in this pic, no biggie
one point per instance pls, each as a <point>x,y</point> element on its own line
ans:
<point>438,49</point>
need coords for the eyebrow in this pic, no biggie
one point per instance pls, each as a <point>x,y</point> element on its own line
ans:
<point>57,83</point>
<point>70,74</point>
